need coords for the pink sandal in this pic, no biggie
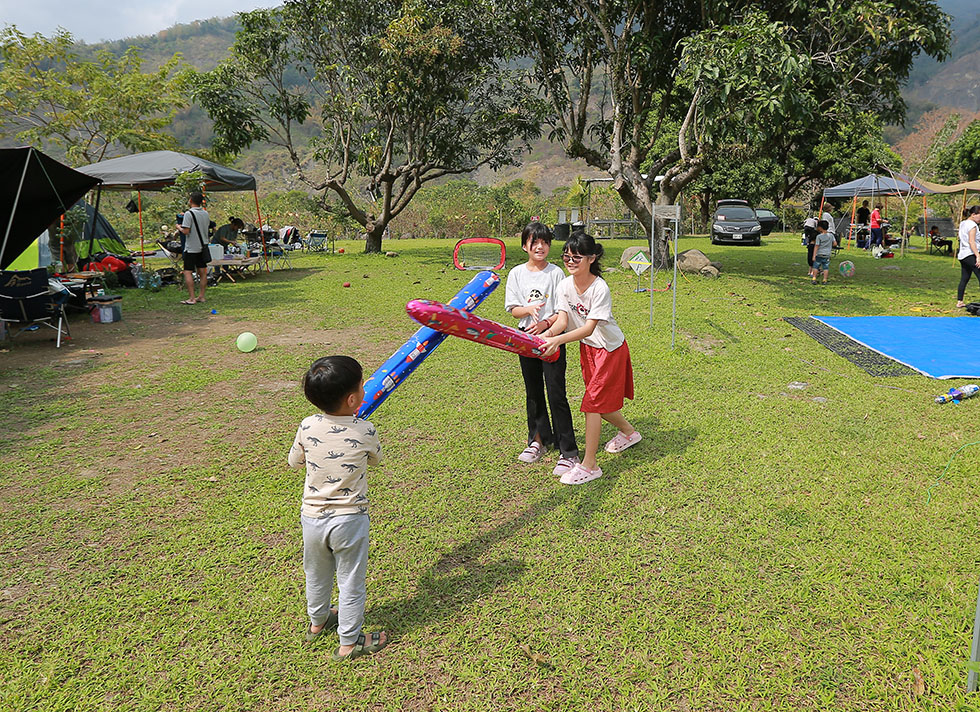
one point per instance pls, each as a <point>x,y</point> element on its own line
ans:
<point>579,475</point>
<point>621,442</point>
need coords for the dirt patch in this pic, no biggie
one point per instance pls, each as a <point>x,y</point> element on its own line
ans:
<point>705,344</point>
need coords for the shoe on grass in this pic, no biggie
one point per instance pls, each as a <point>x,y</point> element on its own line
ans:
<point>579,475</point>
<point>565,464</point>
<point>360,648</point>
<point>532,453</point>
<point>328,625</point>
<point>621,442</point>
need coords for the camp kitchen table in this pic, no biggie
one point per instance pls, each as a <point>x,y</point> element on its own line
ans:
<point>90,282</point>
<point>234,267</point>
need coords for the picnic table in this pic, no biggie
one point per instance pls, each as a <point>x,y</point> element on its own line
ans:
<point>231,267</point>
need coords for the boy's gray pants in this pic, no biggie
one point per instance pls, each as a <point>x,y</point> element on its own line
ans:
<point>336,545</point>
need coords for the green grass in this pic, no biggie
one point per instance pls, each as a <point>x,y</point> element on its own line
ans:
<point>759,550</point>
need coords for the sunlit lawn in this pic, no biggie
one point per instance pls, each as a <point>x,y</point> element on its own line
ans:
<point>763,548</point>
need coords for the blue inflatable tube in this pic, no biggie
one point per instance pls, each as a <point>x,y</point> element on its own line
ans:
<point>406,359</point>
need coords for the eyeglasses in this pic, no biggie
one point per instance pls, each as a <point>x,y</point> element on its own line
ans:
<point>572,259</point>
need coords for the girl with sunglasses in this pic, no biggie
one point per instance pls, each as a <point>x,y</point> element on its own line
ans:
<point>584,306</point>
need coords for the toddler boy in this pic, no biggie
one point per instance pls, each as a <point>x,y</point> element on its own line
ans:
<point>821,253</point>
<point>336,449</point>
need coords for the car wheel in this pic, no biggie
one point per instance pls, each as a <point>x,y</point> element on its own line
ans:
<point>757,243</point>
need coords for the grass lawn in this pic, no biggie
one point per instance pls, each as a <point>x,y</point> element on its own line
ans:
<point>763,548</point>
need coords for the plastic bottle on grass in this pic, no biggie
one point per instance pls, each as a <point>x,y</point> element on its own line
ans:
<point>955,395</point>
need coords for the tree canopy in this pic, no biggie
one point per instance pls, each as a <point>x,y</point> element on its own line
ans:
<point>86,109</point>
<point>643,89</point>
<point>398,94</point>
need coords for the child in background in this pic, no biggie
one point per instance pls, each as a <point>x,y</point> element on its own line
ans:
<point>585,306</point>
<point>336,449</point>
<point>530,297</point>
<point>824,247</point>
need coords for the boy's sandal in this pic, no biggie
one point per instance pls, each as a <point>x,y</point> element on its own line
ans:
<point>360,648</point>
<point>189,301</point>
<point>328,625</point>
<point>579,475</point>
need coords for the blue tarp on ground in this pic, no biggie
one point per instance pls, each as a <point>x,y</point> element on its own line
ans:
<point>938,346</point>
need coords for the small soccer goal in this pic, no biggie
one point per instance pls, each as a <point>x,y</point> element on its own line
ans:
<point>479,253</point>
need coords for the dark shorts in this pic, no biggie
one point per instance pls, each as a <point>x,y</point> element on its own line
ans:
<point>195,260</point>
<point>821,264</point>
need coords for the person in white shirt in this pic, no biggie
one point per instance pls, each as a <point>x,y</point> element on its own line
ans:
<point>585,314</point>
<point>530,296</point>
<point>969,252</point>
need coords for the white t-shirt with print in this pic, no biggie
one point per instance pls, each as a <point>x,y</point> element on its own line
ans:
<point>526,287</point>
<point>594,303</point>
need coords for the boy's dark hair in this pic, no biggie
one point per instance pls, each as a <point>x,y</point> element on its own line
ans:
<point>824,224</point>
<point>330,380</point>
<point>197,198</point>
<point>535,231</point>
<point>582,243</point>
<point>237,223</point>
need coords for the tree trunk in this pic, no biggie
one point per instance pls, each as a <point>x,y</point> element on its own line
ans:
<point>373,238</point>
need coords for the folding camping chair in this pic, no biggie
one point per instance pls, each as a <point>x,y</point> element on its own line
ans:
<point>316,241</point>
<point>278,256</point>
<point>26,299</point>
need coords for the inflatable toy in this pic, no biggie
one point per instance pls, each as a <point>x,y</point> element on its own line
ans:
<point>847,268</point>
<point>246,342</point>
<point>457,322</point>
<point>406,359</point>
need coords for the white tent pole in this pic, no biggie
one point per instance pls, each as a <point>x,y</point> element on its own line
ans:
<point>13,210</point>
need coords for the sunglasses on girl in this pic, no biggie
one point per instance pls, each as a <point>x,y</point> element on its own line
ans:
<point>572,259</point>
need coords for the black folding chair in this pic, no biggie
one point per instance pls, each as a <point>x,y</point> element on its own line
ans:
<point>26,299</point>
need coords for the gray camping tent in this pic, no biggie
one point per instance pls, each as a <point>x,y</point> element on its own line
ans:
<point>156,170</point>
<point>870,186</point>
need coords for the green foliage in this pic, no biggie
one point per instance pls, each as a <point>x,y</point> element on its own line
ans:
<point>87,109</point>
<point>960,161</point>
<point>399,93</point>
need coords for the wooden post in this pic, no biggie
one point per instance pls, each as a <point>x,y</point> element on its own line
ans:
<point>925,220</point>
<point>265,252</point>
<point>139,210</point>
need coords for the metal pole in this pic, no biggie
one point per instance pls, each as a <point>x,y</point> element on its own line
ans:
<point>971,678</point>
<point>673,322</point>
<point>653,223</point>
<point>13,209</point>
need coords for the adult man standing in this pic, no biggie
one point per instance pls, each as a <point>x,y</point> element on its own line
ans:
<point>863,214</point>
<point>196,252</point>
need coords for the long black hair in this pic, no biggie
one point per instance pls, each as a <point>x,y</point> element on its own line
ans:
<point>582,243</point>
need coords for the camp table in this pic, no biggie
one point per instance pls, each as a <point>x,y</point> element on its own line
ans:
<point>234,267</point>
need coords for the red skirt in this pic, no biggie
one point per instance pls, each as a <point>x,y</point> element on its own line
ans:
<point>608,378</point>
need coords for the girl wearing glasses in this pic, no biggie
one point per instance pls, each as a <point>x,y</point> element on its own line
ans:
<point>584,306</point>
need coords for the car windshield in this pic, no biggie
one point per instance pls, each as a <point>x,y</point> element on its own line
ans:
<point>735,212</point>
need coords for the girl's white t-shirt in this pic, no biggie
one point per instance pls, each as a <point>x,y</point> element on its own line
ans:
<point>594,303</point>
<point>526,287</point>
<point>965,228</point>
